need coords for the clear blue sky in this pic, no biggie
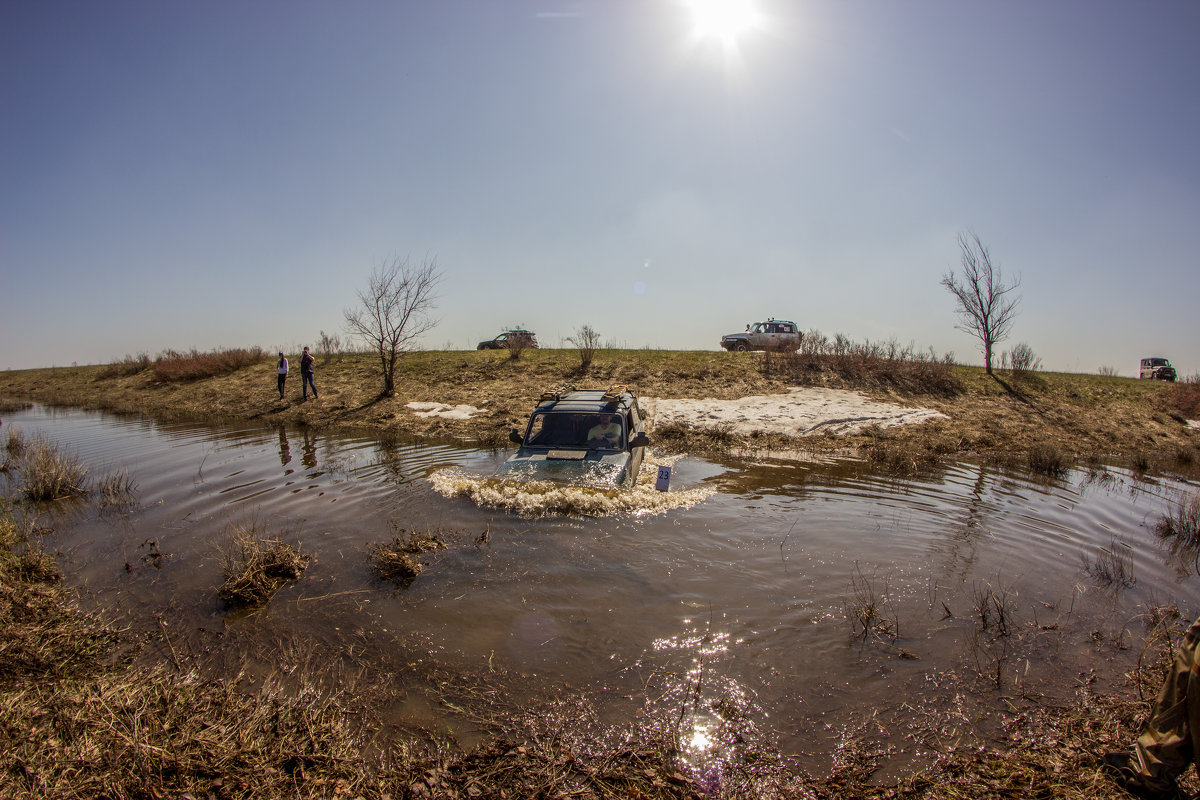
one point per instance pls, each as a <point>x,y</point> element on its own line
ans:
<point>221,174</point>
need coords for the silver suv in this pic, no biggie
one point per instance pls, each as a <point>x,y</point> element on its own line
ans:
<point>1157,368</point>
<point>774,334</point>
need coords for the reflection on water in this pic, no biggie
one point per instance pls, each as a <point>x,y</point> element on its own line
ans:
<point>724,608</point>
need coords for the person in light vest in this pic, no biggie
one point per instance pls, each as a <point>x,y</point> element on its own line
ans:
<point>282,369</point>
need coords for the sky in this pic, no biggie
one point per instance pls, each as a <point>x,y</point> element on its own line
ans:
<point>188,174</point>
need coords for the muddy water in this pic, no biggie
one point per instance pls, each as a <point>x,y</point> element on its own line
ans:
<point>726,607</point>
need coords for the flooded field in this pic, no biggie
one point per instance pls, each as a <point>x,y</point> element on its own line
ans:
<point>758,600</point>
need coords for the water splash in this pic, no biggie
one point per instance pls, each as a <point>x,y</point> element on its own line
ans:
<point>542,498</point>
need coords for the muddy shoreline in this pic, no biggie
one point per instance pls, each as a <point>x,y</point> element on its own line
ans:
<point>1073,417</point>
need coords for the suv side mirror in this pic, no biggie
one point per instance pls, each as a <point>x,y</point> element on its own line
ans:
<point>514,437</point>
<point>640,440</point>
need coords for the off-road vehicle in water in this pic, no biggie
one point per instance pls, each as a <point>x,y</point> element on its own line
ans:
<point>1158,369</point>
<point>586,437</point>
<point>509,339</point>
<point>774,334</point>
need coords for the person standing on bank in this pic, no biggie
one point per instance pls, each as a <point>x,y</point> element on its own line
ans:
<point>306,373</point>
<point>282,368</point>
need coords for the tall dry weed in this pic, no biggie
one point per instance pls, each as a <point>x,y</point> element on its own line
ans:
<point>172,365</point>
<point>47,473</point>
<point>883,365</point>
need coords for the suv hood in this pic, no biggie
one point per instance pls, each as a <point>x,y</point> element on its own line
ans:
<point>570,466</point>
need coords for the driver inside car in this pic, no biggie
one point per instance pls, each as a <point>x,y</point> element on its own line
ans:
<point>606,433</point>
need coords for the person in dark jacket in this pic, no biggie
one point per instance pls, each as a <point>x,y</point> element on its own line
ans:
<point>307,362</point>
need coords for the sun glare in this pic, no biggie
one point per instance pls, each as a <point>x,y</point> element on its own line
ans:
<point>725,21</point>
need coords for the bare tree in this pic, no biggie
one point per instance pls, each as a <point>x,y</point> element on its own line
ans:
<point>986,305</point>
<point>393,311</point>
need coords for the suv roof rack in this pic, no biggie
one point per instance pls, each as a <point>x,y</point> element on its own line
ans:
<point>613,393</point>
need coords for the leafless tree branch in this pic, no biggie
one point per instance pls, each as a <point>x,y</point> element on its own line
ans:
<point>986,304</point>
<point>393,311</point>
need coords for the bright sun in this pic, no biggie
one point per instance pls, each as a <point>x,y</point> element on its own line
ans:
<point>723,20</point>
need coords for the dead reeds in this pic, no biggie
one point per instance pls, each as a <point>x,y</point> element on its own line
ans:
<point>48,473</point>
<point>870,611</point>
<point>1047,459</point>
<point>171,365</point>
<point>116,491</point>
<point>1113,566</point>
<point>876,365</point>
<point>1182,524</point>
<point>124,367</point>
<point>254,566</point>
<point>396,560</point>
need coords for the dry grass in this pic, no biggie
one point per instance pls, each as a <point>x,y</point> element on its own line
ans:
<point>46,472</point>
<point>396,561</point>
<point>254,567</point>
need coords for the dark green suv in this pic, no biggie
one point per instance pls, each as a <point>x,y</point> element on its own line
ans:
<point>589,437</point>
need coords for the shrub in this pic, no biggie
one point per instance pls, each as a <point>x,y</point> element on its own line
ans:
<point>329,345</point>
<point>518,344</point>
<point>1022,360</point>
<point>586,341</point>
<point>1107,372</point>
<point>175,366</point>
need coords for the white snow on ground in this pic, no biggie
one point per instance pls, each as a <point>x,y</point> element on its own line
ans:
<point>800,412</point>
<point>445,411</point>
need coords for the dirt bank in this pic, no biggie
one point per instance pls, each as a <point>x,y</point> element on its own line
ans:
<point>1119,421</point>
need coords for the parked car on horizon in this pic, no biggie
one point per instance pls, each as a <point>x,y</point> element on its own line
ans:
<point>774,334</point>
<point>586,437</point>
<point>508,338</point>
<point>1157,368</point>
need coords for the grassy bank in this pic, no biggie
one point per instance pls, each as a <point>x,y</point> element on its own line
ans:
<point>1038,418</point>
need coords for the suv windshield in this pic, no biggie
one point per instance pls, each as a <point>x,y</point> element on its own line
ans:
<point>596,431</point>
